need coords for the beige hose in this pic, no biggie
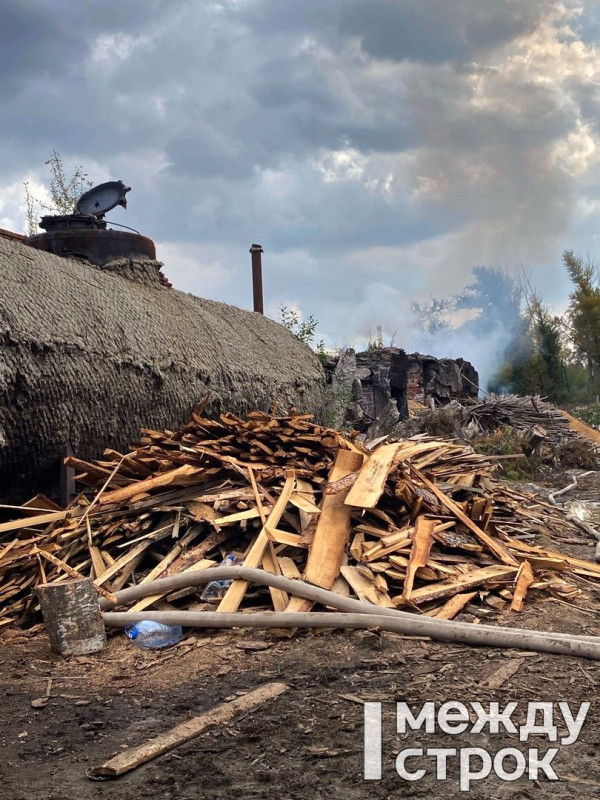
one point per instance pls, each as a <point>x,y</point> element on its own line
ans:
<point>362,615</point>
<point>441,630</point>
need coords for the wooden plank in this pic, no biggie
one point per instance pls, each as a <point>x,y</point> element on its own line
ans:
<point>303,504</point>
<point>97,561</point>
<point>261,511</point>
<point>577,564</point>
<point>123,561</point>
<point>305,489</point>
<point>289,568</point>
<point>468,580</point>
<point>220,715</point>
<point>378,551</point>
<point>270,563</point>
<point>142,604</point>
<point>494,545</point>
<point>283,537</point>
<point>525,578</point>
<point>419,553</point>
<point>235,593</point>
<point>230,519</point>
<point>454,605</point>
<point>333,528</point>
<point>36,521</point>
<point>364,588</point>
<point>369,485</point>
<point>125,574</point>
<point>181,476</point>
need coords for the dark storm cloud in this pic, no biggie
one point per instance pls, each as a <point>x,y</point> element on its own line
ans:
<point>49,39</point>
<point>434,31</point>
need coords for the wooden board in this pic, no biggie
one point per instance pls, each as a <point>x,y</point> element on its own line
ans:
<point>454,586</point>
<point>364,588</point>
<point>419,553</point>
<point>219,715</point>
<point>233,596</point>
<point>525,578</point>
<point>369,485</point>
<point>499,550</point>
<point>333,528</point>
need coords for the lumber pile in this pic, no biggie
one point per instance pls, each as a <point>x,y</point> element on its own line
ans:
<point>420,524</point>
<point>520,413</point>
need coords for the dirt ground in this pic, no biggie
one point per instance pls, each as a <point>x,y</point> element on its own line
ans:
<point>307,743</point>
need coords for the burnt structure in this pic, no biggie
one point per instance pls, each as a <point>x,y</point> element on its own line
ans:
<point>371,390</point>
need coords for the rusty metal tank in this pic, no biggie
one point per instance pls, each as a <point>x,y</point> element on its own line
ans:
<point>84,234</point>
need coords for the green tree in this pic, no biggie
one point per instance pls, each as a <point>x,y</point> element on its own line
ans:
<point>584,311</point>
<point>64,192</point>
<point>303,329</point>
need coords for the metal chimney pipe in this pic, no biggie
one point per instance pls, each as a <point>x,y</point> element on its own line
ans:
<point>257,287</point>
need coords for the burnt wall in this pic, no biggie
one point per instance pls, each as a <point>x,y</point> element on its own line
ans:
<point>371,390</point>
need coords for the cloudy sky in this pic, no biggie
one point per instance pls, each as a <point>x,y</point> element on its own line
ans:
<point>377,149</point>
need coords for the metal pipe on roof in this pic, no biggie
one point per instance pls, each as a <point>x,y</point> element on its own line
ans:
<point>257,286</point>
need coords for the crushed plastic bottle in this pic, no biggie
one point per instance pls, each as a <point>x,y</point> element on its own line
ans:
<point>149,635</point>
<point>216,590</point>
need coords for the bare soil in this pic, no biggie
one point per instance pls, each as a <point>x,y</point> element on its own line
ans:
<point>308,743</point>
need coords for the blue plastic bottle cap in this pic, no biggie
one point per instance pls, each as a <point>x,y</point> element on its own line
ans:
<point>132,632</point>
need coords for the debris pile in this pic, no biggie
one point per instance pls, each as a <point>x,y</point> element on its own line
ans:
<point>520,413</point>
<point>417,524</point>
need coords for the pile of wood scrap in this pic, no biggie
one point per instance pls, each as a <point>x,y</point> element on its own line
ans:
<point>421,524</point>
<point>520,413</point>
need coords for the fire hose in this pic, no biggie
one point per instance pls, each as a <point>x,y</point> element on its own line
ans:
<point>355,614</point>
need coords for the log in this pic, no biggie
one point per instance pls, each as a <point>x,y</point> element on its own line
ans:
<point>72,617</point>
<point>220,715</point>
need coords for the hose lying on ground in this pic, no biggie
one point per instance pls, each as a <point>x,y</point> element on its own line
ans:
<point>361,615</point>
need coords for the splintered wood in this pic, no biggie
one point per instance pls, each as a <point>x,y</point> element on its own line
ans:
<point>418,524</point>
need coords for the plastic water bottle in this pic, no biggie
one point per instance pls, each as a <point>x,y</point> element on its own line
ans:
<point>149,635</point>
<point>216,590</point>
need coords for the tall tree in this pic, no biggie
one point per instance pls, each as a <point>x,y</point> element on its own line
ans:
<point>584,310</point>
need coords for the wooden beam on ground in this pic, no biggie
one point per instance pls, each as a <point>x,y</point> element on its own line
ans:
<point>219,715</point>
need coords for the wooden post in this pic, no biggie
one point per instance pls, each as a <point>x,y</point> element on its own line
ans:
<point>72,617</point>
<point>67,478</point>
